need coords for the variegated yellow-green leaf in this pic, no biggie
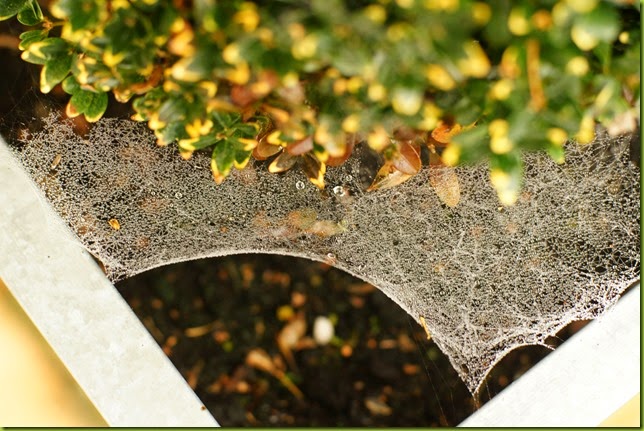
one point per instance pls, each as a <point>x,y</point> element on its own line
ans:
<point>54,71</point>
<point>197,143</point>
<point>314,170</point>
<point>221,162</point>
<point>282,163</point>
<point>29,37</point>
<point>91,104</point>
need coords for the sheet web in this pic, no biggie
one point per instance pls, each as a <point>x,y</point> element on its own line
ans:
<point>484,278</point>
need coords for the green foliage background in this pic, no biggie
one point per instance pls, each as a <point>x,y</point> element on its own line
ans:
<point>302,81</point>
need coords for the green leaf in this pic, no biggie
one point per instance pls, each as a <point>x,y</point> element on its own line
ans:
<point>173,109</point>
<point>221,162</point>
<point>556,152</point>
<point>225,120</point>
<point>9,8</point>
<point>81,14</point>
<point>70,85</point>
<point>43,51</point>
<point>54,72</point>
<point>198,143</point>
<point>241,158</point>
<point>31,14</point>
<point>92,105</point>
<point>601,23</point>
<point>173,132</point>
<point>32,36</point>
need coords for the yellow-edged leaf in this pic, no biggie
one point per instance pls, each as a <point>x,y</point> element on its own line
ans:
<point>282,163</point>
<point>314,170</point>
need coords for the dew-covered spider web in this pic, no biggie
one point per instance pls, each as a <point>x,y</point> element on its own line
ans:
<point>485,279</point>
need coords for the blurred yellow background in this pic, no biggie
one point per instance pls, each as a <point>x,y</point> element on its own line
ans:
<point>35,387</point>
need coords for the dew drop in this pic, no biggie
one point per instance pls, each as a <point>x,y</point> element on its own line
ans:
<point>348,178</point>
<point>300,185</point>
<point>339,190</point>
<point>178,195</point>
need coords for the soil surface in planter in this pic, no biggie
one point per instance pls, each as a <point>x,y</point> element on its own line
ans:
<point>378,370</point>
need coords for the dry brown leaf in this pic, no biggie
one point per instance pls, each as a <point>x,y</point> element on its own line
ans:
<point>300,147</point>
<point>289,336</point>
<point>198,331</point>
<point>325,228</point>
<point>444,132</point>
<point>301,219</point>
<point>387,177</point>
<point>377,407</point>
<point>242,95</point>
<point>351,140</point>
<point>282,163</point>
<point>314,170</point>
<point>446,185</point>
<point>258,358</point>
<point>264,149</point>
<point>407,160</point>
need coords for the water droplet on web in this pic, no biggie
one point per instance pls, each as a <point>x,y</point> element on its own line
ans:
<point>178,195</point>
<point>348,178</point>
<point>339,190</point>
<point>300,185</point>
<point>330,259</point>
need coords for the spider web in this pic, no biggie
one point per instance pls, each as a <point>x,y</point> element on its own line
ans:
<point>484,278</point>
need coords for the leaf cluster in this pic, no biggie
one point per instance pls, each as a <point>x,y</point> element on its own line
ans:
<point>304,81</point>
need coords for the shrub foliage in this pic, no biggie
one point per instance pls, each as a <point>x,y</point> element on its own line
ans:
<point>436,82</point>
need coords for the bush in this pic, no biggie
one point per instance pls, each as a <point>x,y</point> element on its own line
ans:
<point>435,82</point>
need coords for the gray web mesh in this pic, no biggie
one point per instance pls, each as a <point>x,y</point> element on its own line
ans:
<point>485,279</point>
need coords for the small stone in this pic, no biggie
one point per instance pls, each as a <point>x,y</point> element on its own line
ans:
<point>323,330</point>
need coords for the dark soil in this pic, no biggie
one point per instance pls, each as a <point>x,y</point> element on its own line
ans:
<point>380,370</point>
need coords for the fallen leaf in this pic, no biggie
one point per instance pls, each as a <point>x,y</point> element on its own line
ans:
<point>446,185</point>
<point>201,330</point>
<point>387,177</point>
<point>289,336</point>
<point>325,228</point>
<point>407,160</point>
<point>258,358</point>
<point>114,223</point>
<point>377,407</point>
